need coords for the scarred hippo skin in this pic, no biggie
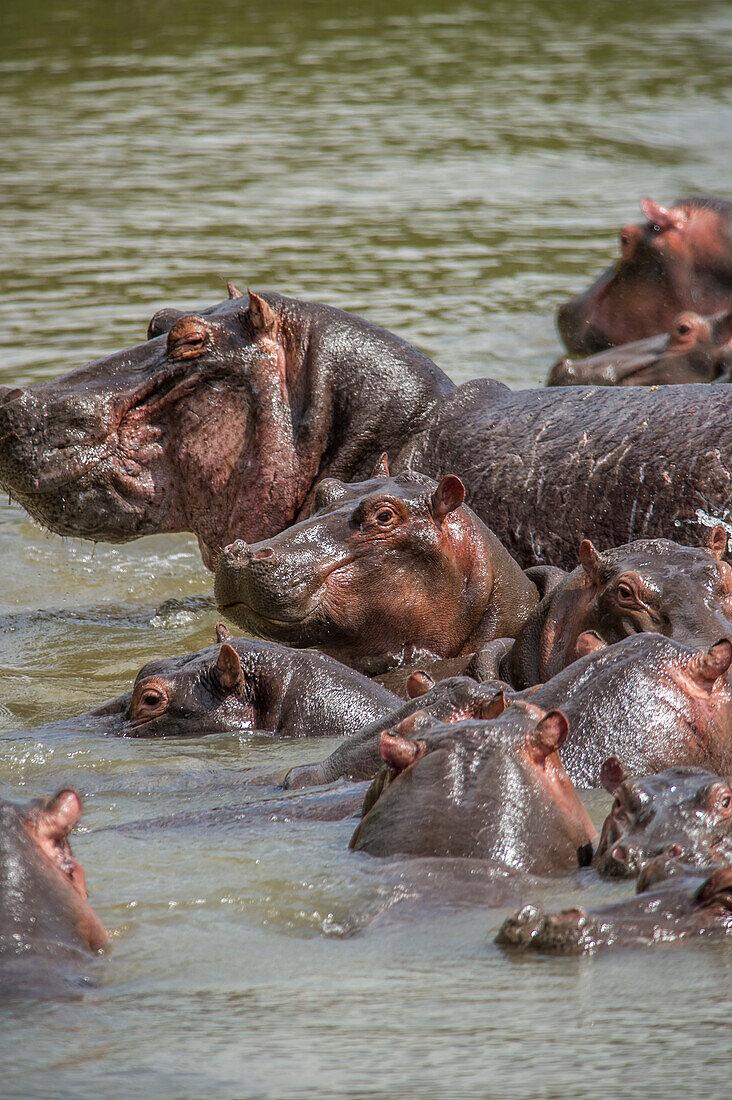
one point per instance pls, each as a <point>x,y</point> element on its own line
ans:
<point>359,756</point>
<point>491,790</point>
<point>682,812</point>
<point>245,684</point>
<point>44,912</point>
<point>384,572</point>
<point>681,908</point>
<point>652,585</point>
<point>647,700</point>
<point>695,349</point>
<point>679,259</point>
<point>225,425</point>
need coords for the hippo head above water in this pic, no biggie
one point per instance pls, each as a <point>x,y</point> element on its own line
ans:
<point>384,571</point>
<point>220,424</point>
<point>679,259</point>
<point>695,349</point>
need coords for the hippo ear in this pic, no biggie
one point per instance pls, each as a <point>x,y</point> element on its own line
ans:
<point>706,668</point>
<point>327,492</point>
<point>63,813</point>
<point>662,216</point>
<point>590,559</point>
<point>407,726</point>
<point>223,634</point>
<point>588,642</point>
<point>448,496</point>
<point>228,667</point>
<point>261,315</point>
<point>233,291</point>
<point>419,683</point>
<point>398,752</point>
<point>612,774</point>
<point>381,469</point>
<point>717,890</point>
<point>717,541</point>
<point>722,328</point>
<point>492,708</point>
<point>549,735</point>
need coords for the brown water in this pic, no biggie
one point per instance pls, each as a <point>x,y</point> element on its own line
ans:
<point>451,172</point>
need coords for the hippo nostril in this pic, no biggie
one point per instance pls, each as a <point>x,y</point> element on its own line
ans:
<point>620,854</point>
<point>267,552</point>
<point>675,851</point>
<point>237,547</point>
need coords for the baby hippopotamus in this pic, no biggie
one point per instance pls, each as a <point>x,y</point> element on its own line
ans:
<point>484,789</point>
<point>44,911</point>
<point>672,905</point>
<point>243,684</point>
<point>656,585</point>
<point>384,572</point>
<point>695,349</point>
<point>681,812</point>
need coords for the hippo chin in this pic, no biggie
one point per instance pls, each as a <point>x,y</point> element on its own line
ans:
<point>226,419</point>
<point>695,349</point>
<point>680,258</point>
<point>383,572</point>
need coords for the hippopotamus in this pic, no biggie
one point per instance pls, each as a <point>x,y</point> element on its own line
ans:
<point>44,909</point>
<point>384,572</point>
<point>680,258</point>
<point>695,349</point>
<point>491,789</point>
<point>648,700</point>
<point>653,585</point>
<point>244,684</point>
<point>673,906</point>
<point>227,418</point>
<point>359,756</point>
<point>681,812</point>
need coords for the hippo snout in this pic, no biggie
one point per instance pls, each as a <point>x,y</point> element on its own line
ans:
<point>563,373</point>
<point>263,580</point>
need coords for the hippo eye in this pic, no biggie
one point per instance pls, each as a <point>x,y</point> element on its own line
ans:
<point>656,228</point>
<point>385,516</point>
<point>151,699</point>
<point>625,591</point>
<point>683,328</point>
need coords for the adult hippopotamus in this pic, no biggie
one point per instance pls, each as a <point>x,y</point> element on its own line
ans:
<point>243,684</point>
<point>385,572</point>
<point>651,585</point>
<point>485,789</point>
<point>224,422</point>
<point>44,910</point>
<point>680,258</point>
<point>695,349</point>
<point>681,812</point>
<point>672,906</point>
<point>647,700</point>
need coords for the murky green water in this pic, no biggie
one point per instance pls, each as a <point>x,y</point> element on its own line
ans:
<point>452,172</point>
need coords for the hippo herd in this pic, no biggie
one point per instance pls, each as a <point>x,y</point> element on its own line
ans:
<point>490,598</point>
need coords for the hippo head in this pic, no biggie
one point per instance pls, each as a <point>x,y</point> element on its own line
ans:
<point>681,812</point>
<point>492,789</point>
<point>44,888</point>
<point>205,692</point>
<point>382,568</point>
<point>680,258</point>
<point>659,586</point>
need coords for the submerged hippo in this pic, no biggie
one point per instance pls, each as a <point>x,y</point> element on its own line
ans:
<point>681,812</point>
<point>649,585</point>
<point>673,906</point>
<point>44,911</point>
<point>695,349</point>
<point>244,684</point>
<point>647,700</point>
<point>491,790</point>
<point>224,422</point>
<point>680,258</point>
<point>384,572</point>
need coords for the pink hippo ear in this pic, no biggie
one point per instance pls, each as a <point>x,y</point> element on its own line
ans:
<point>223,634</point>
<point>399,753</point>
<point>663,216</point>
<point>63,813</point>
<point>588,642</point>
<point>549,735</point>
<point>590,559</point>
<point>493,708</point>
<point>448,496</point>
<point>261,315</point>
<point>228,667</point>
<point>419,683</point>
<point>381,469</point>
<point>706,668</point>
<point>612,774</point>
<point>233,291</point>
<point>717,541</point>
